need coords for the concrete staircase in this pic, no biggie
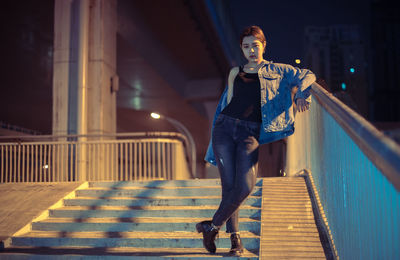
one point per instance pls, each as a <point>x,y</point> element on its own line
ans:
<point>137,220</point>
<point>156,220</point>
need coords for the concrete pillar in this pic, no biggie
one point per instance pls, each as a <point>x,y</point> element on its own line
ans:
<point>101,82</point>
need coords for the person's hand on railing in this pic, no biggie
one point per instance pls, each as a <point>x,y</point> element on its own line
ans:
<point>302,105</point>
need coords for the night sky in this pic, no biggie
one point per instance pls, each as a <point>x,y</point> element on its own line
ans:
<point>283,21</point>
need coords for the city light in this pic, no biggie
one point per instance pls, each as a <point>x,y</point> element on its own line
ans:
<point>183,130</point>
<point>344,86</point>
<point>298,61</point>
<point>155,115</point>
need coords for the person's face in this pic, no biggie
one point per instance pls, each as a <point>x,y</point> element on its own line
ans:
<point>253,49</point>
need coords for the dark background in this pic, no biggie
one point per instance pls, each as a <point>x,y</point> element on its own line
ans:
<point>27,44</point>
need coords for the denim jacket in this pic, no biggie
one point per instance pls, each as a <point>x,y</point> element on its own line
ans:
<point>277,113</point>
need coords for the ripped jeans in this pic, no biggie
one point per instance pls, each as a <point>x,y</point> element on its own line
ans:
<point>237,164</point>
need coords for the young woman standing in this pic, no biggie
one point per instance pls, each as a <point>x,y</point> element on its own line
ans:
<point>255,108</point>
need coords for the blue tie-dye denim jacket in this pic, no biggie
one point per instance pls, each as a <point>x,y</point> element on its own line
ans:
<point>276,82</point>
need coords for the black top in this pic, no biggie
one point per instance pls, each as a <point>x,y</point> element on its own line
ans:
<point>246,99</point>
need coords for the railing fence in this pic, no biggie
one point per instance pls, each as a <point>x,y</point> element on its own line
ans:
<point>356,171</point>
<point>143,156</point>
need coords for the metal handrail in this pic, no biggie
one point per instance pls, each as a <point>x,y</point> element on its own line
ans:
<point>133,134</point>
<point>383,152</point>
<point>23,152</point>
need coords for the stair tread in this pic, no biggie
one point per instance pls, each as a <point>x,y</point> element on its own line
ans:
<point>284,207</point>
<point>287,213</point>
<point>294,248</point>
<point>295,233</point>
<point>152,198</point>
<point>287,220</point>
<point>289,255</point>
<point>288,238</point>
<point>216,180</point>
<point>288,199</point>
<point>271,195</point>
<point>136,234</point>
<point>133,220</point>
<point>153,188</point>
<point>148,207</point>
<point>289,229</point>
<point>288,206</point>
<point>289,243</point>
<point>158,188</point>
<point>128,251</point>
<point>287,190</point>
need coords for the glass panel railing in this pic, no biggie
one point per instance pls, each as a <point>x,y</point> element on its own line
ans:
<point>356,172</point>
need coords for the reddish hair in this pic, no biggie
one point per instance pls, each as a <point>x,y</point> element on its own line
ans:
<point>253,31</point>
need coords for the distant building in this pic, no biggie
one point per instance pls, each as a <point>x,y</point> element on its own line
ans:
<point>385,41</point>
<point>336,54</point>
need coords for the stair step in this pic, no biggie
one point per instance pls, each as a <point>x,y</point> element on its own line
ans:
<point>271,196</point>
<point>288,220</point>
<point>289,206</point>
<point>284,183</point>
<point>289,243</point>
<point>134,220</point>
<point>115,225</point>
<point>278,234</point>
<point>128,239</point>
<point>284,208</point>
<point>156,219</point>
<point>288,214</point>
<point>286,237</point>
<point>286,200</point>
<point>273,223</point>
<point>155,192</point>
<point>300,248</point>
<point>277,254</point>
<point>144,234</point>
<point>150,208</point>
<point>163,183</point>
<point>127,212</point>
<point>124,201</point>
<point>290,228</point>
<point>120,253</point>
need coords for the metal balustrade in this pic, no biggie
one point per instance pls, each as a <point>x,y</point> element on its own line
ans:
<point>356,173</point>
<point>120,157</point>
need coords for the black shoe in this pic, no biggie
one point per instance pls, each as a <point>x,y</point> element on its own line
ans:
<point>237,246</point>
<point>209,234</point>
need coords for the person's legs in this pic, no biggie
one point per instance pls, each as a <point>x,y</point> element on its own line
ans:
<point>224,151</point>
<point>237,166</point>
<point>224,148</point>
<point>245,159</point>
<point>245,179</point>
<point>232,224</point>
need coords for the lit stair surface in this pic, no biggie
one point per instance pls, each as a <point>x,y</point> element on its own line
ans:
<point>156,219</point>
<point>288,229</point>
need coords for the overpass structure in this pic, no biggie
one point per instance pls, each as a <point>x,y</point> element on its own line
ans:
<point>343,175</point>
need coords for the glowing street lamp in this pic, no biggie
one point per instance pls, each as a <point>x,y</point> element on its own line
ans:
<point>155,115</point>
<point>182,129</point>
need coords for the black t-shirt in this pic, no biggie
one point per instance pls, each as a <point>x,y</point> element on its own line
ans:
<point>246,99</point>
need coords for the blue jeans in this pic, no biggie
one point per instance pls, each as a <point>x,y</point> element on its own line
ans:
<point>237,165</point>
